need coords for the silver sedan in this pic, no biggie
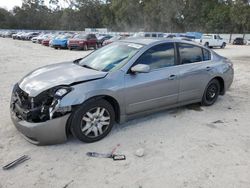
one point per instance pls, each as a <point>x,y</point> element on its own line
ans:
<point>118,82</point>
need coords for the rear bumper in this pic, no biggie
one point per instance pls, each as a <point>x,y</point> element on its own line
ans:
<point>229,78</point>
<point>44,133</point>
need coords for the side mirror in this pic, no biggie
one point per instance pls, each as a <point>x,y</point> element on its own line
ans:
<point>140,68</point>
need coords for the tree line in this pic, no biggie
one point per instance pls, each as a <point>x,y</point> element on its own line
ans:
<point>216,16</point>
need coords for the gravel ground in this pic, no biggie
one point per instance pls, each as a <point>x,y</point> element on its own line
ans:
<point>184,147</point>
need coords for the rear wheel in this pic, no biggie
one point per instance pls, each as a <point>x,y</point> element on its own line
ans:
<point>93,120</point>
<point>211,93</point>
<point>223,45</point>
<point>206,45</point>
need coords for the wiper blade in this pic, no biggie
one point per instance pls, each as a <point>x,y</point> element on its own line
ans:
<point>88,67</point>
<point>77,60</point>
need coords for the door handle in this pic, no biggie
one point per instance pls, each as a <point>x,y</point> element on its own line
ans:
<point>208,68</point>
<point>172,77</point>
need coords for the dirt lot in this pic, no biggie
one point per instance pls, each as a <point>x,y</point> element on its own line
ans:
<point>184,147</point>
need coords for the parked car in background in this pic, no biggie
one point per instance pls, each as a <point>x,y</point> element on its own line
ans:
<point>18,35</point>
<point>47,40</point>
<point>8,34</point>
<point>248,42</point>
<point>14,36</point>
<point>30,35</point>
<point>61,41</point>
<point>212,40</point>
<point>239,41</point>
<point>23,36</point>
<point>101,38</point>
<point>114,84</point>
<point>83,41</point>
<point>113,39</point>
<point>148,35</point>
<point>184,38</point>
<point>40,38</point>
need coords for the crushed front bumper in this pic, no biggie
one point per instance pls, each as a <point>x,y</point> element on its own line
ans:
<point>44,133</point>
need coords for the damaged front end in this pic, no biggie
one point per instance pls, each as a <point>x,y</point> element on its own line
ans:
<point>43,107</point>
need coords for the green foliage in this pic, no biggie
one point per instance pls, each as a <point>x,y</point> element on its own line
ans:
<point>132,15</point>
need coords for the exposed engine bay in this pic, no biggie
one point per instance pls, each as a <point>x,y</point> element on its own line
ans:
<point>41,108</point>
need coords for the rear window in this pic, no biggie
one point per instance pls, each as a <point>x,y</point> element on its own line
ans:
<point>206,55</point>
<point>190,53</point>
<point>207,36</point>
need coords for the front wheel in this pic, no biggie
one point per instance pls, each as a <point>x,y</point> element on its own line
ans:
<point>85,47</point>
<point>211,93</point>
<point>96,46</point>
<point>93,120</point>
<point>206,45</point>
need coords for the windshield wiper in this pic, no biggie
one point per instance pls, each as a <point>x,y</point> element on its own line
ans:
<point>88,67</point>
<point>77,60</point>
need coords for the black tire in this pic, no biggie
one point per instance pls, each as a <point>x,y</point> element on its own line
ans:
<point>206,44</point>
<point>223,45</point>
<point>85,47</point>
<point>211,93</point>
<point>78,124</point>
<point>96,47</point>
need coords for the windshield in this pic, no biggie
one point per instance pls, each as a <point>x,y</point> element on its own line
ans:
<point>80,37</point>
<point>111,57</point>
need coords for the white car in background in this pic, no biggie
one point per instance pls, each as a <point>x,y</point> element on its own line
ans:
<point>212,40</point>
<point>248,41</point>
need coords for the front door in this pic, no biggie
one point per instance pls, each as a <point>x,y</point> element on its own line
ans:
<point>159,87</point>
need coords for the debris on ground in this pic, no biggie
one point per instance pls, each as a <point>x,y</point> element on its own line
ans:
<point>16,162</point>
<point>140,152</point>
<point>111,155</point>
<point>218,121</point>
<point>66,185</point>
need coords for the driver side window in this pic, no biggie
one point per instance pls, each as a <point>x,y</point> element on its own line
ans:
<point>160,56</point>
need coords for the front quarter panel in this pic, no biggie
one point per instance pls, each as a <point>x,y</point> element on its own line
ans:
<point>112,85</point>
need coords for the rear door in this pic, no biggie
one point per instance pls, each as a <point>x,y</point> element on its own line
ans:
<point>159,87</point>
<point>195,67</point>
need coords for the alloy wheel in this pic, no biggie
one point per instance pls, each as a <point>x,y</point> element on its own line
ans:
<point>95,122</point>
<point>212,91</point>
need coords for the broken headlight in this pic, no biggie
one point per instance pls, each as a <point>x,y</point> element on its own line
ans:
<point>61,92</point>
<point>55,108</point>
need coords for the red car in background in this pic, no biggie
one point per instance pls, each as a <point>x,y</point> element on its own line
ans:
<point>83,41</point>
<point>46,41</point>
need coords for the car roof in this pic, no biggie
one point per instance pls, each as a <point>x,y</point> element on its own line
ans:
<point>148,41</point>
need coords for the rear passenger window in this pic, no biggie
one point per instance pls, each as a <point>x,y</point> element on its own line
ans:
<point>159,56</point>
<point>147,35</point>
<point>190,53</point>
<point>154,35</point>
<point>206,55</point>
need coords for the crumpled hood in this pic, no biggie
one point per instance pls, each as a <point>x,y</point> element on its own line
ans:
<point>57,74</point>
